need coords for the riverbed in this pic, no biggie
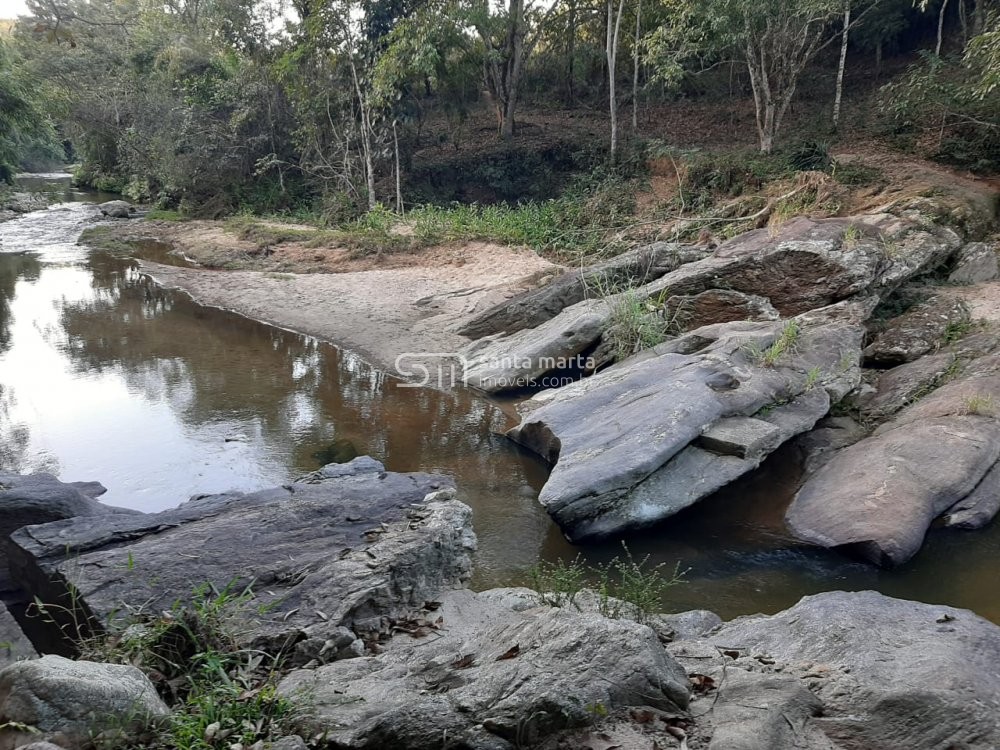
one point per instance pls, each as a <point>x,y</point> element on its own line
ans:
<point>105,375</point>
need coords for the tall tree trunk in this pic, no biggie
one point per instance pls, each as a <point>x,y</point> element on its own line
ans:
<point>940,30</point>
<point>614,25</point>
<point>635,66</point>
<point>399,186</point>
<point>838,97</point>
<point>571,55</point>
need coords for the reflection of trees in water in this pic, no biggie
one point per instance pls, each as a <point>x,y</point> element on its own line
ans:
<point>13,268</point>
<point>14,437</point>
<point>213,366</point>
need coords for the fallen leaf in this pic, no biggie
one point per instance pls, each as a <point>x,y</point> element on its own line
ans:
<point>732,653</point>
<point>510,653</point>
<point>465,662</point>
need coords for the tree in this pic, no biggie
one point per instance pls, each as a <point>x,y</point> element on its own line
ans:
<point>509,36</point>
<point>776,41</point>
<point>25,128</point>
<point>838,96</point>
<point>611,51</point>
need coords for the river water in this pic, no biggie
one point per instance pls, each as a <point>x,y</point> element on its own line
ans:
<point>106,376</point>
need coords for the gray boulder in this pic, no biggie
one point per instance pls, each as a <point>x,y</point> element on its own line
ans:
<point>71,702</point>
<point>975,263</point>
<point>878,497</point>
<point>117,209</point>
<point>532,308</point>
<point>27,499</point>
<point>490,678</point>
<point>526,357</point>
<point>14,644</point>
<point>323,560</point>
<point>900,386</point>
<point>654,434</point>
<point>22,203</point>
<point>923,327</point>
<point>883,674</point>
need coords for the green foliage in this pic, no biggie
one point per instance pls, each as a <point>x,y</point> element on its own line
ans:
<point>981,405</point>
<point>942,107</point>
<point>636,324</point>
<point>783,344</point>
<point>221,694</point>
<point>626,588</point>
<point>27,135</point>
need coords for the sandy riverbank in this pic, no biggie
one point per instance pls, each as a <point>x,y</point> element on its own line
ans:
<point>378,313</point>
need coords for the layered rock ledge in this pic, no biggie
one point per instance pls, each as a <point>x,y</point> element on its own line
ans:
<point>316,563</point>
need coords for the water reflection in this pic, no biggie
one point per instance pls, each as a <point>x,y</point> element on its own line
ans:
<point>104,375</point>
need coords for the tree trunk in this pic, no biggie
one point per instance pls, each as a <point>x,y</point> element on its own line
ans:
<point>614,25</point>
<point>571,55</point>
<point>838,97</point>
<point>978,17</point>
<point>635,66</point>
<point>399,187</point>
<point>940,30</point>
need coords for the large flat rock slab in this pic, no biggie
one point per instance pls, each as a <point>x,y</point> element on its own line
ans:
<point>344,547</point>
<point>650,436</point>
<point>490,677</point>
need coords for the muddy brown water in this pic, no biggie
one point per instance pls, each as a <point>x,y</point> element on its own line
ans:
<point>104,375</point>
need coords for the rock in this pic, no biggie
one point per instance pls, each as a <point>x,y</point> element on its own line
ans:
<point>878,497</point>
<point>980,506</point>
<point>889,674</point>
<point>686,312</point>
<point>40,746</point>
<point>14,644</point>
<point>27,499</point>
<point>923,327</point>
<point>292,742</point>
<point>806,264</point>
<point>532,308</point>
<point>23,203</point>
<point>831,434</point>
<point>492,679</point>
<point>633,444</point>
<point>117,209</point>
<point>681,626</point>
<point>69,702</point>
<point>975,263</point>
<point>319,555</point>
<point>524,358</point>
<point>906,383</point>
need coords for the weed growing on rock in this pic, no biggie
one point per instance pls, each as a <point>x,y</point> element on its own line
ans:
<point>784,344</point>
<point>979,405</point>
<point>221,695</point>
<point>635,325</point>
<point>625,588</point>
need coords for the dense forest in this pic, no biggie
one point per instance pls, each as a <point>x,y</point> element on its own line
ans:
<point>333,108</point>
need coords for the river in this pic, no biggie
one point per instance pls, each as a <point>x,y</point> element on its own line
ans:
<point>104,375</point>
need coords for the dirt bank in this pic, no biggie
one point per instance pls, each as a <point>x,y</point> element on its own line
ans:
<point>408,307</point>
